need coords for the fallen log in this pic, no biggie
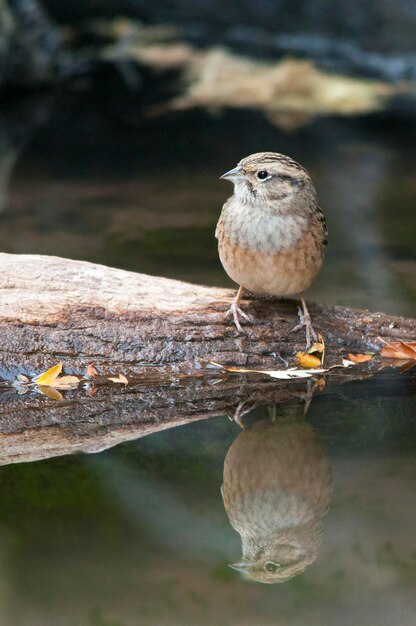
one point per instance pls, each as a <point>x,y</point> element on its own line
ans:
<point>54,309</point>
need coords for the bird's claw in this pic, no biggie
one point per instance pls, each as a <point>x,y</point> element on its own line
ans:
<point>305,322</point>
<point>243,407</point>
<point>235,311</point>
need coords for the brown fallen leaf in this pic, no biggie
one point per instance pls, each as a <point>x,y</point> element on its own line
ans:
<point>405,366</point>
<point>360,358</point>
<point>119,379</point>
<point>404,350</point>
<point>305,359</point>
<point>91,371</point>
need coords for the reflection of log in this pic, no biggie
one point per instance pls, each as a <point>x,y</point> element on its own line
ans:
<point>34,427</point>
<point>57,309</point>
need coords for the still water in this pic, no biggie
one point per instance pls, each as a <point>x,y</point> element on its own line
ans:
<point>142,534</point>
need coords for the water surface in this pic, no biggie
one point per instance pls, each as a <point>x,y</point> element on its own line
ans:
<point>139,534</point>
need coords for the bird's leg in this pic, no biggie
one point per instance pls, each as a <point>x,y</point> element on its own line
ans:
<point>244,406</point>
<point>305,322</point>
<point>235,311</point>
<point>307,397</point>
<point>272,413</point>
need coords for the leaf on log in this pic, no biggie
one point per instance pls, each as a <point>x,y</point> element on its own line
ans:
<point>402,350</point>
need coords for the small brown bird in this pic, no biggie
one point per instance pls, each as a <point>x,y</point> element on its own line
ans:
<point>271,232</point>
<point>276,490</point>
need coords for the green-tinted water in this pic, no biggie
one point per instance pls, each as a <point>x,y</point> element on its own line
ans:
<point>139,534</point>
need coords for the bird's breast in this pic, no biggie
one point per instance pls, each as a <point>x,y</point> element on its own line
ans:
<point>262,231</point>
<point>274,254</point>
<point>282,273</point>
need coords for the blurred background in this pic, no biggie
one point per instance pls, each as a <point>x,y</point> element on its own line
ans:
<point>117,118</point>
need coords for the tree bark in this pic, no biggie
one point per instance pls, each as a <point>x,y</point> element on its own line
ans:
<point>54,309</point>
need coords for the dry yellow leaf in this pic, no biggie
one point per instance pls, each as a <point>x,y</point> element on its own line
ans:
<point>49,376</point>
<point>308,360</point>
<point>52,393</point>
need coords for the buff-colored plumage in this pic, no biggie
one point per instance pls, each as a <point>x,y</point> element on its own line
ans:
<point>271,232</point>
<point>276,490</point>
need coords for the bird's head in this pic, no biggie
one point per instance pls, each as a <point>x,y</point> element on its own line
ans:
<point>270,177</point>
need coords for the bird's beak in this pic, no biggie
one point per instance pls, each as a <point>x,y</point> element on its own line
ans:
<point>234,175</point>
<point>242,566</point>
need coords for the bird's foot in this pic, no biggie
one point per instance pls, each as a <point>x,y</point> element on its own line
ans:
<point>307,397</point>
<point>235,312</point>
<point>242,409</point>
<point>305,322</point>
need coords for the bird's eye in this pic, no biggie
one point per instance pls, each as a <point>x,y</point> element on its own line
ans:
<point>262,174</point>
<point>271,566</point>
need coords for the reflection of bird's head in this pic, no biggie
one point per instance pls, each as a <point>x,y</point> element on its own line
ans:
<point>276,490</point>
<point>283,555</point>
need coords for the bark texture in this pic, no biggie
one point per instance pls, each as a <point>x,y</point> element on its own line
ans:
<point>58,309</point>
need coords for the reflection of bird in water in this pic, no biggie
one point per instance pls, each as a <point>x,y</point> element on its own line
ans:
<point>276,489</point>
